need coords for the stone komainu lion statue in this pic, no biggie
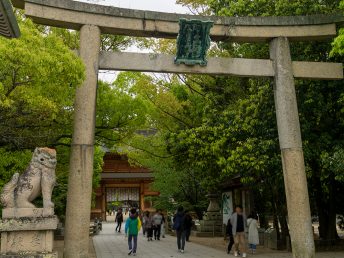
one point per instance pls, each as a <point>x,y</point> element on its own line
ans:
<point>38,177</point>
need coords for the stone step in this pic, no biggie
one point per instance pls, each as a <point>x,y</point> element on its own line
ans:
<point>209,228</point>
<point>210,223</point>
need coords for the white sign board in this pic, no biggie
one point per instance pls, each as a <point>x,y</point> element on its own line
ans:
<point>227,206</point>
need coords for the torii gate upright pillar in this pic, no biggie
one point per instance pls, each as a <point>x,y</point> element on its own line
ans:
<point>82,151</point>
<point>295,181</point>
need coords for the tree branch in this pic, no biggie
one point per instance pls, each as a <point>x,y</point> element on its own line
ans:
<point>167,113</point>
<point>189,86</point>
<point>151,153</point>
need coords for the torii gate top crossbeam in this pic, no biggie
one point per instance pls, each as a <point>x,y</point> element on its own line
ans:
<point>113,20</point>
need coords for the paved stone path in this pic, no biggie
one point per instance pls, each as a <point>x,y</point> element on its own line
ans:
<point>109,244</point>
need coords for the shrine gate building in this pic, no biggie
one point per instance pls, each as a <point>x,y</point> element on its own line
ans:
<point>122,185</point>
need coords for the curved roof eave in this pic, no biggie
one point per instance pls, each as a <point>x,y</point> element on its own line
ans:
<point>8,24</point>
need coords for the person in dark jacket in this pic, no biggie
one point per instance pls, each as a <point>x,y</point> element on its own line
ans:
<point>187,225</point>
<point>119,220</point>
<point>229,233</point>
<point>179,227</point>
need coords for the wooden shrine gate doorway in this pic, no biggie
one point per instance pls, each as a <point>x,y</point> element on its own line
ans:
<point>122,185</point>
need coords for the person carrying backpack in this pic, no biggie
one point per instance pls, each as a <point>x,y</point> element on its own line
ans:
<point>132,228</point>
<point>179,227</point>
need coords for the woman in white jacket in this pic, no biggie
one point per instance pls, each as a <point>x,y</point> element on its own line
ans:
<point>253,236</point>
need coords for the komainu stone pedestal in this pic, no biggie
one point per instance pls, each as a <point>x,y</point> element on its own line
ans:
<point>211,225</point>
<point>28,232</point>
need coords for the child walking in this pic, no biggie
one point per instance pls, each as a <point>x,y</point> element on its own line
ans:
<point>253,236</point>
<point>132,228</point>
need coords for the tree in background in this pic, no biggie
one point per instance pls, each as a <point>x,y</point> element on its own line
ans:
<point>320,106</point>
<point>231,128</point>
<point>163,102</point>
<point>38,77</point>
<point>338,44</point>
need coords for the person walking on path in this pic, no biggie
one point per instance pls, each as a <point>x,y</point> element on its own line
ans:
<point>238,221</point>
<point>132,228</point>
<point>162,231</point>
<point>148,226</point>
<point>179,227</point>
<point>253,235</point>
<point>157,221</point>
<point>229,233</point>
<point>143,221</point>
<point>188,226</point>
<point>119,220</point>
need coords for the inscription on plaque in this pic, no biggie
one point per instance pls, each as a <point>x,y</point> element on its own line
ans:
<point>193,42</point>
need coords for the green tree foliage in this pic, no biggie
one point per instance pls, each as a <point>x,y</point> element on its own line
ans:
<point>178,184</point>
<point>229,129</point>
<point>253,151</point>
<point>338,44</point>
<point>119,112</point>
<point>269,8</point>
<point>12,162</point>
<point>166,104</point>
<point>38,78</point>
<point>196,7</point>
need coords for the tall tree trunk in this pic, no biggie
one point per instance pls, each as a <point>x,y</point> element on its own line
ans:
<point>284,228</point>
<point>326,206</point>
<point>276,225</point>
<point>332,227</point>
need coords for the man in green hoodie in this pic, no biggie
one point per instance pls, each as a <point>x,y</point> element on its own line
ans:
<point>132,228</point>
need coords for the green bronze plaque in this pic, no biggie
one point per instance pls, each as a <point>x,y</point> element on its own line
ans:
<point>193,42</point>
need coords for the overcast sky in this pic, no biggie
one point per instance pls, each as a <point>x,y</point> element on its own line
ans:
<point>169,6</point>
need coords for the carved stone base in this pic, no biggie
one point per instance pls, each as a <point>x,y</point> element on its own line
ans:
<point>23,235</point>
<point>9,213</point>
<point>209,226</point>
<point>51,255</point>
<point>217,216</point>
<point>212,222</point>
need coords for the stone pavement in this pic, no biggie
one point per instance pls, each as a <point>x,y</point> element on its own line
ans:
<point>59,246</point>
<point>109,244</point>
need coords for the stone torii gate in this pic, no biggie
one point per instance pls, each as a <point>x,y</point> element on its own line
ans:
<point>92,20</point>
